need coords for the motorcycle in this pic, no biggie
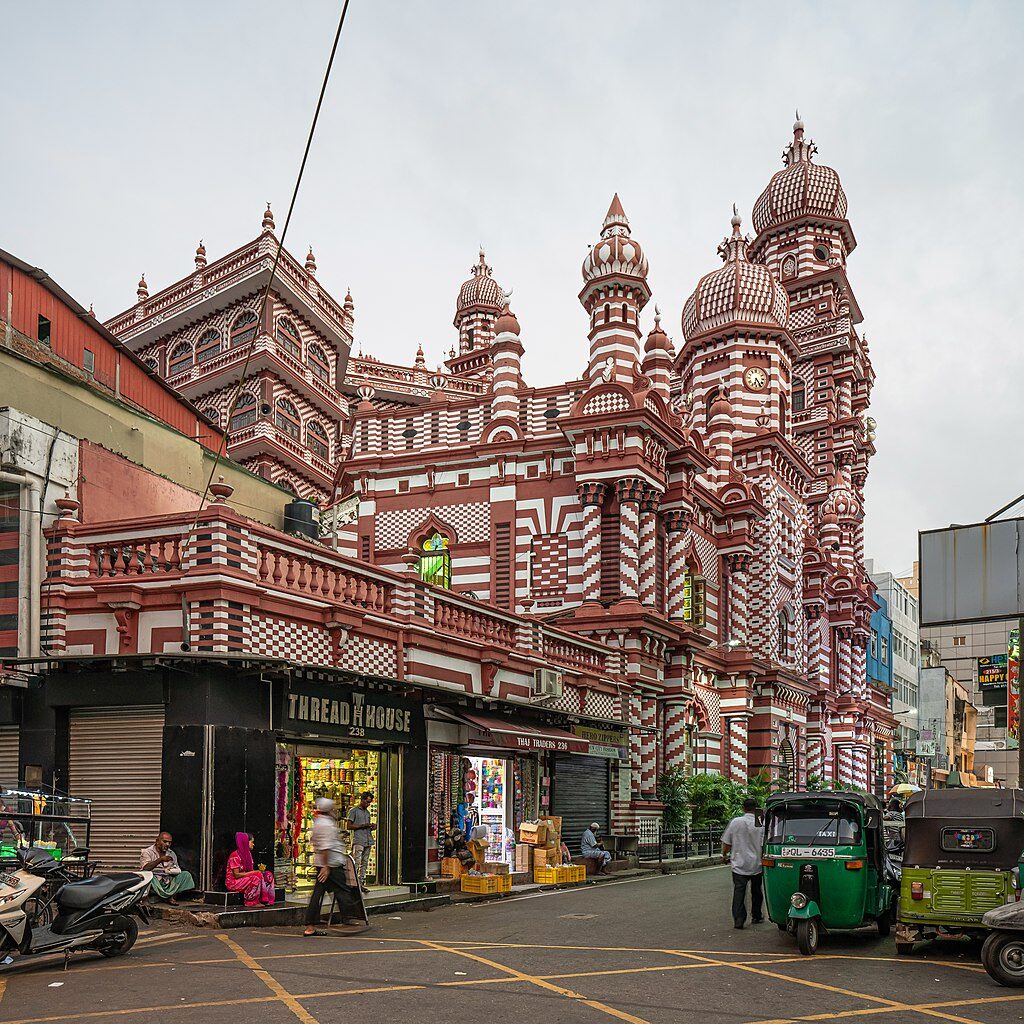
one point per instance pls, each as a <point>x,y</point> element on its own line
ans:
<point>94,914</point>
<point>1003,952</point>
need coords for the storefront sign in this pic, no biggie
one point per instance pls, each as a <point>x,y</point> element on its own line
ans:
<point>992,671</point>
<point>1013,689</point>
<point>609,743</point>
<point>925,748</point>
<point>352,714</point>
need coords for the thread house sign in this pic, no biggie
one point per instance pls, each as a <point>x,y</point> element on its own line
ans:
<point>352,714</point>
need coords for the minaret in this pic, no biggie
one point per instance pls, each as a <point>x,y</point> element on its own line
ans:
<point>481,300</point>
<point>658,357</point>
<point>614,293</point>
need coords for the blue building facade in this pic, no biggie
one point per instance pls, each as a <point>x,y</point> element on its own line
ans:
<point>879,661</point>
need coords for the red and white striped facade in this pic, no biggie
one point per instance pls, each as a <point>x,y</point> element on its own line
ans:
<point>736,461</point>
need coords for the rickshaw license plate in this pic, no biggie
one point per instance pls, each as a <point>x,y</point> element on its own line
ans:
<point>813,852</point>
<point>11,880</point>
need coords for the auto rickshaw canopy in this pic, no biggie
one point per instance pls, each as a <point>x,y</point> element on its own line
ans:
<point>965,828</point>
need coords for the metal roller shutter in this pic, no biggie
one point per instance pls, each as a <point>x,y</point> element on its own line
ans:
<point>8,754</point>
<point>115,761</point>
<point>580,792</point>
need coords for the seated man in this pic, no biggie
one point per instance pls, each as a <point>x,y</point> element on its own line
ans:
<point>592,848</point>
<point>168,878</point>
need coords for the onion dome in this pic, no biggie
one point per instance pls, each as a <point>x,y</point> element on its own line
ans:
<point>268,219</point>
<point>615,252</point>
<point>658,340</point>
<point>801,188</point>
<point>421,362</point>
<point>721,406</point>
<point>481,291</point>
<point>200,255</point>
<point>348,304</point>
<point>143,289</point>
<point>739,291</point>
<point>842,505</point>
<point>310,263</point>
<point>507,323</point>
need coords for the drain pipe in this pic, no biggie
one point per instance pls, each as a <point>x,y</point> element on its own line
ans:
<point>33,534</point>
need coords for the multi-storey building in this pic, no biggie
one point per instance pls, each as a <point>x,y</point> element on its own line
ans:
<point>905,657</point>
<point>695,511</point>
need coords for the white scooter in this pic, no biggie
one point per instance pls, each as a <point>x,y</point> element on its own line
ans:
<point>95,914</point>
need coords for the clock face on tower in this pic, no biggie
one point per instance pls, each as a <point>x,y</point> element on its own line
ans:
<point>755,378</point>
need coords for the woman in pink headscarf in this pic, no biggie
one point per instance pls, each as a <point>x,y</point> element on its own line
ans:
<point>255,886</point>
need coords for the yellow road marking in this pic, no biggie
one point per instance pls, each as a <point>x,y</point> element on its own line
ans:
<point>894,1004</point>
<point>874,1010</point>
<point>594,1004</point>
<point>92,1014</point>
<point>272,983</point>
<point>3,988</point>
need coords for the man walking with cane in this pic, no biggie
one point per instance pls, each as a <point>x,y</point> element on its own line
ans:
<point>334,871</point>
<point>741,848</point>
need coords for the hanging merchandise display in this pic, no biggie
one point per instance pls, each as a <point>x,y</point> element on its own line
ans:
<point>342,779</point>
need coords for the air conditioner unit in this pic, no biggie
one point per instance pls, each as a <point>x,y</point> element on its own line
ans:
<point>547,682</point>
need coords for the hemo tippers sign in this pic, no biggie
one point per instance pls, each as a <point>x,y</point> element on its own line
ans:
<point>352,714</point>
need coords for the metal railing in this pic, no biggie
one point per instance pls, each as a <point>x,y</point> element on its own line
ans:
<point>656,844</point>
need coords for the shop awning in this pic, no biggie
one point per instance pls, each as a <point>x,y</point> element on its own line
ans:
<point>518,735</point>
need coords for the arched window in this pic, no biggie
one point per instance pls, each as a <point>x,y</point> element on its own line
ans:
<point>181,358</point>
<point>783,415</point>
<point>319,363</point>
<point>288,338</point>
<point>213,415</point>
<point>316,439</point>
<point>152,364</point>
<point>436,562</point>
<point>693,596</point>
<point>799,395</point>
<point>625,311</point>
<point>783,624</point>
<point>208,346</point>
<point>287,419</point>
<point>243,330</point>
<point>788,267</point>
<point>245,411</point>
<point>607,312</point>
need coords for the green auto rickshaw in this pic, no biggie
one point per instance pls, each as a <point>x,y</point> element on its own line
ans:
<point>961,860</point>
<point>825,865</point>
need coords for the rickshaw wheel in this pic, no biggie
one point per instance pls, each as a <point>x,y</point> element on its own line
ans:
<point>807,937</point>
<point>1003,957</point>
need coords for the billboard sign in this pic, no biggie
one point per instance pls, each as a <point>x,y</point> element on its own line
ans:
<point>972,573</point>
<point>992,671</point>
<point>1013,689</point>
<point>925,748</point>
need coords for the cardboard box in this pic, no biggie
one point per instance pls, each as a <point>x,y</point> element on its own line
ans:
<point>495,867</point>
<point>553,822</point>
<point>533,833</point>
<point>451,867</point>
<point>524,857</point>
<point>543,857</point>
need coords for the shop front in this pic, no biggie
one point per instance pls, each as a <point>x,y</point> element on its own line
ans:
<point>338,742</point>
<point>581,782</point>
<point>492,771</point>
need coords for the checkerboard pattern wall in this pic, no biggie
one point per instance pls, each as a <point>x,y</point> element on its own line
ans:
<point>549,565</point>
<point>373,657</point>
<point>472,523</point>
<point>293,640</point>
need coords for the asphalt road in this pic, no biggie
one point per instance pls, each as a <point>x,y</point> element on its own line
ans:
<point>659,950</point>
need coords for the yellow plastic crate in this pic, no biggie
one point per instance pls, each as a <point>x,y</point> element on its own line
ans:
<point>504,883</point>
<point>545,875</point>
<point>483,884</point>
<point>560,874</point>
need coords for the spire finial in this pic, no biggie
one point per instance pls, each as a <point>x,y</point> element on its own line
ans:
<point>657,316</point>
<point>310,263</point>
<point>736,221</point>
<point>200,255</point>
<point>348,304</point>
<point>421,362</point>
<point>615,220</point>
<point>143,289</point>
<point>268,219</point>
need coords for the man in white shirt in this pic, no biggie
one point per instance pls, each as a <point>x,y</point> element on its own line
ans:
<point>168,878</point>
<point>741,848</point>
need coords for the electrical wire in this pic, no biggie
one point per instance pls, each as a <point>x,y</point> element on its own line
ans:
<point>220,452</point>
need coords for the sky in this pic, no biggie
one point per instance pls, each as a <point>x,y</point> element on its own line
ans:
<point>133,130</point>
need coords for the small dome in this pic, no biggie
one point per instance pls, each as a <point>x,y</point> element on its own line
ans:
<point>481,290</point>
<point>721,406</point>
<point>658,340</point>
<point>842,505</point>
<point>739,291</point>
<point>507,323</point>
<point>800,189</point>
<point>615,252</point>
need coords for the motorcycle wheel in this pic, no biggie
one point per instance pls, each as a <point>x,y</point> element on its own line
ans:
<point>39,912</point>
<point>1003,957</point>
<point>118,947</point>
<point>884,922</point>
<point>807,937</point>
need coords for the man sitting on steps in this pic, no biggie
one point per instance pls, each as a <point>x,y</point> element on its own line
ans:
<point>592,848</point>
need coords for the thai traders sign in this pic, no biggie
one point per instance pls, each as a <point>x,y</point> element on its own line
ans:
<point>315,710</point>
